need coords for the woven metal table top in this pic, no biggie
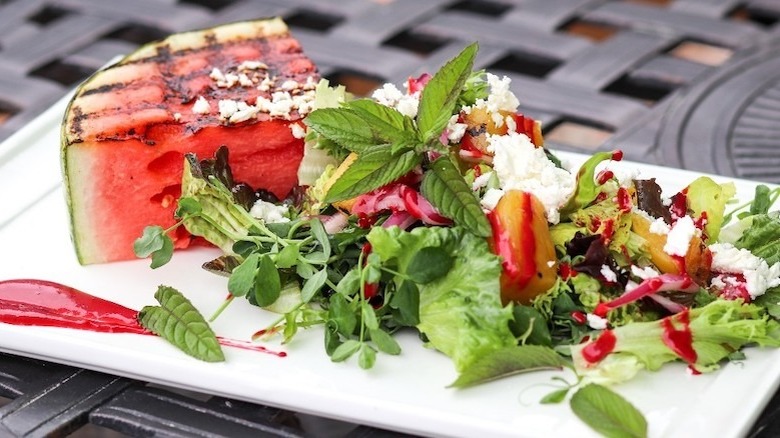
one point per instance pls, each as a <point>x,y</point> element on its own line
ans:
<point>687,83</point>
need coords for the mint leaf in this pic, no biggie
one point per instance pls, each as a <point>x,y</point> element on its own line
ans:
<point>441,94</point>
<point>177,321</point>
<point>372,169</point>
<point>344,127</point>
<point>506,362</point>
<point>444,187</point>
<point>386,123</point>
<point>607,412</point>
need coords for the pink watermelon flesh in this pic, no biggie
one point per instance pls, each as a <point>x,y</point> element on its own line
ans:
<point>125,140</point>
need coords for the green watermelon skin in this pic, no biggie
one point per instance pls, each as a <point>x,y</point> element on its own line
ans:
<point>128,127</point>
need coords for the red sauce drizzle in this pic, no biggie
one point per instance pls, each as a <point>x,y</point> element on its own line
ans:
<point>679,207</point>
<point>604,176</point>
<point>609,230</point>
<point>579,317</point>
<point>679,338</point>
<point>45,303</point>
<point>600,348</point>
<point>365,221</point>
<point>624,200</point>
<point>49,304</point>
<point>246,345</point>
<point>566,272</point>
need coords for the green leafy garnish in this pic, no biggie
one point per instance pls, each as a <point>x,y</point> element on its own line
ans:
<point>508,361</point>
<point>441,94</point>
<point>444,187</point>
<point>156,243</point>
<point>608,413</point>
<point>179,322</point>
<point>373,169</point>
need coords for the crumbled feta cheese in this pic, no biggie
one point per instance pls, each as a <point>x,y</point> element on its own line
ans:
<point>644,273</point>
<point>511,124</point>
<point>455,130</point>
<point>501,97</point>
<point>297,130</point>
<point>269,212</point>
<point>243,112</point>
<point>252,65</point>
<point>216,74</point>
<point>596,322</point>
<point>550,263</point>
<point>608,274</point>
<point>659,226</point>
<point>520,165</point>
<point>759,276</point>
<point>679,238</point>
<point>201,106</point>
<point>389,95</point>
<point>481,181</point>
<point>267,83</point>
<point>491,198</point>
<point>177,116</point>
<point>289,85</point>
<point>227,108</point>
<point>244,80</point>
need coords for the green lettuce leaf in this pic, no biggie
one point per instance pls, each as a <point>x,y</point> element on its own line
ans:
<point>718,329</point>
<point>461,313</point>
<point>220,221</point>
<point>762,236</point>
<point>587,188</point>
<point>705,195</point>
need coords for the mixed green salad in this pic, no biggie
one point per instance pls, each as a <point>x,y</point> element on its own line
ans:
<point>438,209</point>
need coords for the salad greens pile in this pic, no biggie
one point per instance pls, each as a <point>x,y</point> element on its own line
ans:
<point>439,210</point>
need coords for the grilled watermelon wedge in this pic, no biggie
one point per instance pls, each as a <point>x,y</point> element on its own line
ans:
<point>125,133</point>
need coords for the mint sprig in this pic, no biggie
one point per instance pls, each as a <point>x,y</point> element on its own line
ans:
<point>444,187</point>
<point>388,143</point>
<point>373,169</point>
<point>179,322</point>
<point>608,413</point>
<point>441,94</point>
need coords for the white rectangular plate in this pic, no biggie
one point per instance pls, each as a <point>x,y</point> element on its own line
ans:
<point>406,393</point>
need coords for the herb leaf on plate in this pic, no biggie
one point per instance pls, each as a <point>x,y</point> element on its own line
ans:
<point>508,361</point>
<point>608,413</point>
<point>179,322</point>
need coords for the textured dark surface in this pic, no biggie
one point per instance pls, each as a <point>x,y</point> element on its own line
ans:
<point>685,83</point>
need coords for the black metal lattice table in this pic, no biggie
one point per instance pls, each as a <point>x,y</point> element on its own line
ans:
<point>687,83</point>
